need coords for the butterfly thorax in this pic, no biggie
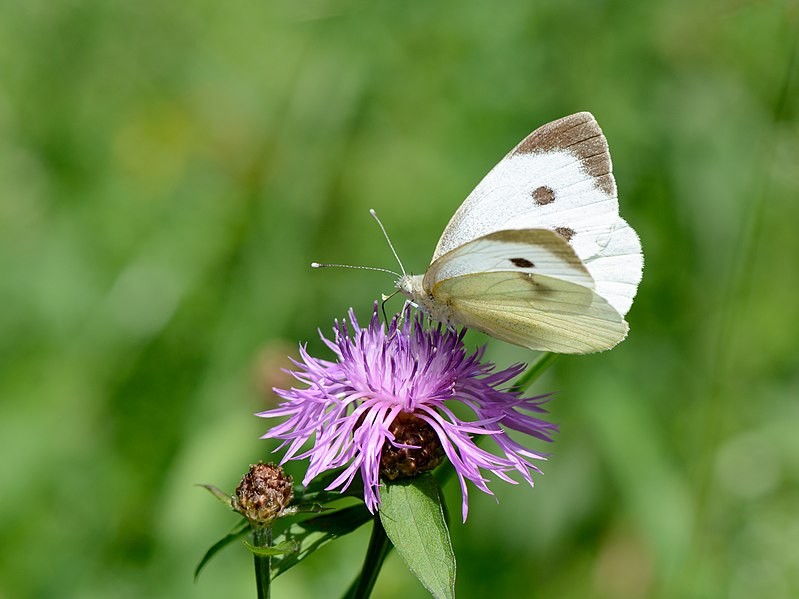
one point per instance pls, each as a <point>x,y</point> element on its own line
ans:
<point>412,287</point>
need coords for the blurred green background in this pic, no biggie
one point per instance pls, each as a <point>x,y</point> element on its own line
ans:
<point>169,170</point>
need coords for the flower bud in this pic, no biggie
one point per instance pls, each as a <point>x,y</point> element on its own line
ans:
<point>264,492</point>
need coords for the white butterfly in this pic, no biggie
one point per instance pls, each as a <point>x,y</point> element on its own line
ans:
<point>538,255</point>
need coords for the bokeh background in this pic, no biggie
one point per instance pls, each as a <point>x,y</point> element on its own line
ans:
<point>169,170</point>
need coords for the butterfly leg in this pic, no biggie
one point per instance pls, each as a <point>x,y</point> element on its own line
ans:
<point>404,311</point>
<point>400,317</point>
<point>383,305</point>
<point>383,309</point>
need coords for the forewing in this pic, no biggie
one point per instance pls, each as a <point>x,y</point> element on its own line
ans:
<point>558,178</point>
<point>534,311</point>
<point>528,251</point>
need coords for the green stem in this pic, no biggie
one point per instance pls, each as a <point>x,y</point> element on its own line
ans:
<point>379,546</point>
<point>532,374</point>
<point>262,537</point>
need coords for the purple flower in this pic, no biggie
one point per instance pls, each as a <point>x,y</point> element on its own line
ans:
<point>389,402</point>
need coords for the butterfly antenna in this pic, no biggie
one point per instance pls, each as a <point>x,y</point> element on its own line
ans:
<point>391,245</point>
<point>320,265</point>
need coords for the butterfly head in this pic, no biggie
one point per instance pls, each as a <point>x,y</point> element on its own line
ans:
<point>412,287</point>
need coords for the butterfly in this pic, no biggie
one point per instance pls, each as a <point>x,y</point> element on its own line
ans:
<point>538,255</point>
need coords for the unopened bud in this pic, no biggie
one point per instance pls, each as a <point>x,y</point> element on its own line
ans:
<point>264,492</point>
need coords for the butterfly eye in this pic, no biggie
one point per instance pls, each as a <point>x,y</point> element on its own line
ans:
<point>543,195</point>
<point>522,263</point>
<point>565,232</point>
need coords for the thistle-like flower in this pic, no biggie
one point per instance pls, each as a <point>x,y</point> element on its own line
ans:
<point>388,406</point>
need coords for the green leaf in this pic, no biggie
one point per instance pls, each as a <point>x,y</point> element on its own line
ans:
<point>411,513</point>
<point>279,549</point>
<point>238,531</point>
<point>308,508</point>
<point>219,494</point>
<point>309,535</point>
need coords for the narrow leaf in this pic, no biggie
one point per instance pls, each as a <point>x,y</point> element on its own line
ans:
<point>534,371</point>
<point>219,494</point>
<point>309,535</point>
<point>310,508</point>
<point>241,529</point>
<point>279,549</point>
<point>411,513</point>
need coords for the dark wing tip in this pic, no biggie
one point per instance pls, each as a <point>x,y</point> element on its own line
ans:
<point>579,134</point>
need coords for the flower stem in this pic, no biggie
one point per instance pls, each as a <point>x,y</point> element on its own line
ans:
<point>379,546</point>
<point>532,374</point>
<point>262,537</point>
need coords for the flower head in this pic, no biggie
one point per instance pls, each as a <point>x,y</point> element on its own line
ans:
<point>386,405</point>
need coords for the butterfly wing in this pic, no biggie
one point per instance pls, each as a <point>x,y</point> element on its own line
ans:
<point>526,287</point>
<point>559,178</point>
<point>534,311</point>
<point>527,251</point>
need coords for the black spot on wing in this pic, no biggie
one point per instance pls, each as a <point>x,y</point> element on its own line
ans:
<point>522,262</point>
<point>565,232</point>
<point>543,195</point>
